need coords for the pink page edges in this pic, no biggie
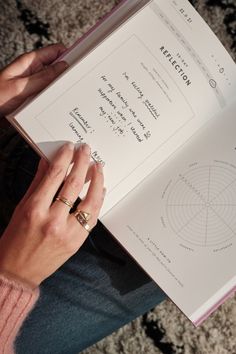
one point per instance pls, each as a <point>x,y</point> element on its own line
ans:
<point>228,295</point>
<point>92,29</point>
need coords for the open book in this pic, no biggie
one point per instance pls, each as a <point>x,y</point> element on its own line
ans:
<point>152,91</point>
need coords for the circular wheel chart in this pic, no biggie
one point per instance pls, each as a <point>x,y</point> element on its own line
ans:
<point>201,205</point>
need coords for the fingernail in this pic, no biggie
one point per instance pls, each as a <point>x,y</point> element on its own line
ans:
<point>69,146</point>
<point>86,149</point>
<point>65,64</point>
<point>99,167</point>
<point>63,48</point>
<point>62,65</point>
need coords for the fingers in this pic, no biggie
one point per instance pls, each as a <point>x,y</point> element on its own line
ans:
<point>42,169</point>
<point>49,54</point>
<point>92,203</point>
<point>75,180</point>
<point>30,63</point>
<point>28,75</point>
<point>45,192</point>
<point>37,82</point>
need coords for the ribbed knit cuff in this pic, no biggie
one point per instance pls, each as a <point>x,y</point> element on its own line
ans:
<point>16,301</point>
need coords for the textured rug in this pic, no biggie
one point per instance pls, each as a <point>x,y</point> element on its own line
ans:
<point>28,24</point>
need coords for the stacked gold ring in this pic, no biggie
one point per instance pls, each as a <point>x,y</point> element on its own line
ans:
<point>83,217</point>
<point>65,201</point>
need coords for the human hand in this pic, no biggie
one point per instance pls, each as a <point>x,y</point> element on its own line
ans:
<point>42,234</point>
<point>29,74</point>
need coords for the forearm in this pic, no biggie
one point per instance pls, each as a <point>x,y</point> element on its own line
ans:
<point>16,301</point>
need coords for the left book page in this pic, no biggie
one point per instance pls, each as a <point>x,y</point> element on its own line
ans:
<point>138,96</point>
<point>98,33</point>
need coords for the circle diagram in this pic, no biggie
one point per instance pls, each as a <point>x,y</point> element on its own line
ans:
<point>201,205</point>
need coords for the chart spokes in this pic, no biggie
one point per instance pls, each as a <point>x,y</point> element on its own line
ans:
<point>201,206</point>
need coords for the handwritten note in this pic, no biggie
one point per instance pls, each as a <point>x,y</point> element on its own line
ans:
<point>121,116</point>
<point>117,112</point>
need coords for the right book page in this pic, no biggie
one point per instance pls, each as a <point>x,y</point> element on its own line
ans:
<point>138,96</point>
<point>180,223</point>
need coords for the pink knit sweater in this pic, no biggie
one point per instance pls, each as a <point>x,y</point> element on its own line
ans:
<point>16,301</point>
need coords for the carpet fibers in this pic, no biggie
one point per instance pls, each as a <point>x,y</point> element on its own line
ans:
<point>28,24</point>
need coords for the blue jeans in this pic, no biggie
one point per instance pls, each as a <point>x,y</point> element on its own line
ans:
<point>94,293</point>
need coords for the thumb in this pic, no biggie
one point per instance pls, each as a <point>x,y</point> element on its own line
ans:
<point>37,82</point>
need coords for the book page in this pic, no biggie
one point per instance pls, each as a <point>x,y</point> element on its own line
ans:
<point>138,96</point>
<point>102,29</point>
<point>180,223</point>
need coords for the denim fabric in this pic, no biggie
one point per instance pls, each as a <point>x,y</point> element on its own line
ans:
<point>96,292</point>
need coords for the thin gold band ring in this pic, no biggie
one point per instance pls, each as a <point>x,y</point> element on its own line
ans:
<point>65,201</point>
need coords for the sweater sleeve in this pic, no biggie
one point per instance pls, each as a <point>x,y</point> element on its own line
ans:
<point>16,301</point>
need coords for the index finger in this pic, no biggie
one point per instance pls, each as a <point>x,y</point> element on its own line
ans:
<point>54,177</point>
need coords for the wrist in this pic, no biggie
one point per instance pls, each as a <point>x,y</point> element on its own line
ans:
<point>18,279</point>
<point>16,269</point>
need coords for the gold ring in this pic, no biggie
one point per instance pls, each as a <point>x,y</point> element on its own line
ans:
<point>82,217</point>
<point>65,201</point>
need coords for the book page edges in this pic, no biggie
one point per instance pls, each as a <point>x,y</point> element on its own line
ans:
<point>225,293</point>
<point>102,29</point>
<point>199,316</point>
